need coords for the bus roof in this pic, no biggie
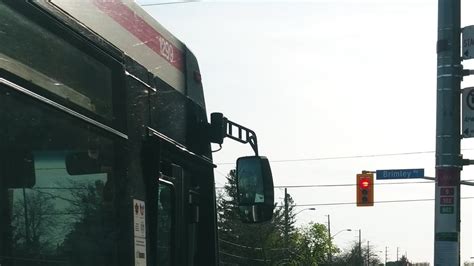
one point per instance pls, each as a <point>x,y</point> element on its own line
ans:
<point>128,27</point>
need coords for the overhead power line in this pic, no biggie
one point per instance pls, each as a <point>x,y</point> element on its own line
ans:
<point>240,257</point>
<point>378,202</point>
<point>170,3</point>
<point>347,185</point>
<point>347,157</point>
<point>354,184</point>
<point>238,245</point>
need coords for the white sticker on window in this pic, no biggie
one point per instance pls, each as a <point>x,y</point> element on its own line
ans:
<point>139,228</point>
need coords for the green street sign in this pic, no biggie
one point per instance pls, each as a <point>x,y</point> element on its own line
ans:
<point>446,236</point>
<point>446,209</point>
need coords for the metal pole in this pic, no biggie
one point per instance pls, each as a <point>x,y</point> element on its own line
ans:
<point>360,249</point>
<point>27,224</point>
<point>286,222</point>
<point>448,138</point>
<point>368,253</point>
<point>330,240</point>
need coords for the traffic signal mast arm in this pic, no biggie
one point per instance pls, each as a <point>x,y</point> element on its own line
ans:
<point>462,182</point>
<point>467,72</point>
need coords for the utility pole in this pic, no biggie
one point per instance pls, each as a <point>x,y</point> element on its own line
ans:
<point>448,134</point>
<point>330,240</point>
<point>397,253</point>
<point>27,224</point>
<point>360,250</point>
<point>368,253</point>
<point>287,221</point>
<point>386,251</point>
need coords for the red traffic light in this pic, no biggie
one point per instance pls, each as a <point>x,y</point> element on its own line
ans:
<point>364,183</point>
<point>365,189</point>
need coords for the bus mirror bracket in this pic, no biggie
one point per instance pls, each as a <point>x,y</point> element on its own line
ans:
<point>221,127</point>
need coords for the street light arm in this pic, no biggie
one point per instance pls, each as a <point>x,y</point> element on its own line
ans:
<point>343,230</point>
<point>312,209</point>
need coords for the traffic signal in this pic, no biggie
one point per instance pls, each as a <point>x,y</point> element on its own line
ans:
<point>365,190</point>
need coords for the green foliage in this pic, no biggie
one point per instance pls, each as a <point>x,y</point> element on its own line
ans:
<point>240,243</point>
<point>352,256</point>
<point>313,245</point>
<point>277,242</point>
<point>404,260</point>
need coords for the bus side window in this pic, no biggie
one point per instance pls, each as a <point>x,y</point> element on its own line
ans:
<point>165,223</point>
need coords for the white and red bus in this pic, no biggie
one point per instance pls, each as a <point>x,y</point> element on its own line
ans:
<point>105,145</point>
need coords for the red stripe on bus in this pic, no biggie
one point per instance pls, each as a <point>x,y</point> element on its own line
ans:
<point>123,15</point>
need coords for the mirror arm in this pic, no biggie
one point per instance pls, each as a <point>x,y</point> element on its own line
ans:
<point>221,127</point>
<point>249,137</point>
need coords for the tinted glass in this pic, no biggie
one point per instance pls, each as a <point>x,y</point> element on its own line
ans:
<point>165,223</point>
<point>60,218</point>
<point>38,55</point>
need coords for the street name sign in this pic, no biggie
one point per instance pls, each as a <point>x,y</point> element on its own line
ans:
<point>468,42</point>
<point>399,174</point>
<point>467,126</point>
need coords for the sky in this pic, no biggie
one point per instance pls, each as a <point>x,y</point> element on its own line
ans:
<point>320,80</point>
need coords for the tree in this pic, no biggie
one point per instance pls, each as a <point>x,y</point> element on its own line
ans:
<point>353,257</point>
<point>93,232</point>
<point>33,222</point>
<point>313,245</point>
<point>404,261</point>
<point>276,242</point>
<point>253,244</point>
<point>236,242</point>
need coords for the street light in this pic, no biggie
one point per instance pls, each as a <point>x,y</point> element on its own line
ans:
<point>343,230</point>
<point>306,209</point>
<point>332,237</point>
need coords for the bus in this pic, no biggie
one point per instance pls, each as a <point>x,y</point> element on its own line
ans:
<point>105,144</point>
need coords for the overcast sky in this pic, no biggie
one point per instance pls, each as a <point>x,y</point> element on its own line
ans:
<point>319,79</point>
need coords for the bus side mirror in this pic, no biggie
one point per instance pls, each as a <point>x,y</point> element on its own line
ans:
<point>255,189</point>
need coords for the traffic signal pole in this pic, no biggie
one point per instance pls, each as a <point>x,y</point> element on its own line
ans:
<point>448,137</point>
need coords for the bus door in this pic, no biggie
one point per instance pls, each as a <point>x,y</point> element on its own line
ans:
<point>175,203</point>
<point>179,226</point>
<point>177,216</point>
<point>165,222</point>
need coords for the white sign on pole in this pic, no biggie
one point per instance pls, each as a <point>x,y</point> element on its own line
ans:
<point>468,42</point>
<point>468,112</point>
<point>447,217</point>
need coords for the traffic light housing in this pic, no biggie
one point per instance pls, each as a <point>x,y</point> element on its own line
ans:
<point>365,190</point>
